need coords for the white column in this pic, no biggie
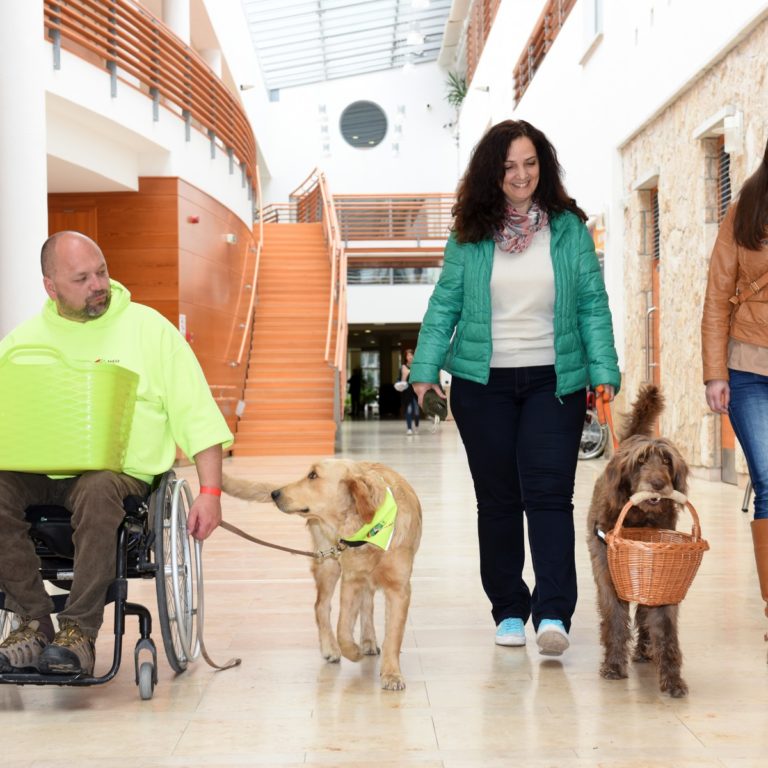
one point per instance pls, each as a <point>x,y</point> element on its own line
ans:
<point>212,57</point>
<point>23,173</point>
<point>176,16</point>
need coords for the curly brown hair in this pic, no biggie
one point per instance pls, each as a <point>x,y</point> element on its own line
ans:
<point>750,222</point>
<point>480,201</point>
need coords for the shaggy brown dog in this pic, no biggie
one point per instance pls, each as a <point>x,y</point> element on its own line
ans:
<point>642,463</point>
<point>336,498</point>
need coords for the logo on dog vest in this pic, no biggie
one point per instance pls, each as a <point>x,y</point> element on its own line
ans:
<point>380,530</point>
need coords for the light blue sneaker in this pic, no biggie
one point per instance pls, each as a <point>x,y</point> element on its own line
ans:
<point>510,632</point>
<point>551,637</point>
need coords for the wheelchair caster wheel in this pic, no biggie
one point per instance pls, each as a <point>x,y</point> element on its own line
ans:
<point>146,680</point>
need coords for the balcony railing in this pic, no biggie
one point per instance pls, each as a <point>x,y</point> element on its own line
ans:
<point>141,53</point>
<point>394,217</point>
<point>544,33</point>
<point>480,22</point>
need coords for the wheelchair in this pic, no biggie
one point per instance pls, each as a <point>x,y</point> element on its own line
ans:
<point>152,543</point>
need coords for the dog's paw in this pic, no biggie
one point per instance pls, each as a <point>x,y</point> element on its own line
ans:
<point>675,687</point>
<point>392,682</point>
<point>370,648</point>
<point>641,656</point>
<point>613,672</point>
<point>351,651</point>
<point>330,650</point>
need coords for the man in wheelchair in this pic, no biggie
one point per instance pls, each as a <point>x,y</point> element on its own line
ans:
<point>89,317</point>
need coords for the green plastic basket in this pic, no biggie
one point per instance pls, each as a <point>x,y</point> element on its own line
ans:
<point>60,417</point>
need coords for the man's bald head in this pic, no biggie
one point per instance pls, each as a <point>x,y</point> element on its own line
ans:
<point>75,276</point>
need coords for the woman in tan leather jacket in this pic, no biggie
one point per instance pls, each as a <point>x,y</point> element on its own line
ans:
<point>734,340</point>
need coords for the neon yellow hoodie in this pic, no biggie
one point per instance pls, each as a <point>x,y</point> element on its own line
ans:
<point>174,405</point>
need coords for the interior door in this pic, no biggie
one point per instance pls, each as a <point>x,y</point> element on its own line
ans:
<point>75,218</point>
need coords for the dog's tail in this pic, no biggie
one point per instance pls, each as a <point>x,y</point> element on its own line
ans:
<point>648,404</point>
<point>246,489</point>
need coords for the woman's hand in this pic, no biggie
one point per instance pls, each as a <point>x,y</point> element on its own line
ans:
<point>422,387</point>
<point>606,391</point>
<point>718,394</point>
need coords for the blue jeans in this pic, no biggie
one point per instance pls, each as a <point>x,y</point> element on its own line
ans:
<point>522,445</point>
<point>748,410</point>
<point>411,409</point>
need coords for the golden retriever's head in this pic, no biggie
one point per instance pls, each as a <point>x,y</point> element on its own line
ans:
<point>333,492</point>
<point>646,464</point>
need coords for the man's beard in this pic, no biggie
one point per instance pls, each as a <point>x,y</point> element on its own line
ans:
<point>90,311</point>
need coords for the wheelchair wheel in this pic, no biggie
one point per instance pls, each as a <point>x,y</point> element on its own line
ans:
<point>146,680</point>
<point>594,437</point>
<point>173,581</point>
<point>5,624</point>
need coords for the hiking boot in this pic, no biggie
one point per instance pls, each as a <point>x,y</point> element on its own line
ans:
<point>22,647</point>
<point>71,652</point>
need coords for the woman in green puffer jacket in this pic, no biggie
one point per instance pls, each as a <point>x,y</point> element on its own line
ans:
<point>520,318</point>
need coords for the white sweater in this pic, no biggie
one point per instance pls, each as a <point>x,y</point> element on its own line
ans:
<point>523,305</point>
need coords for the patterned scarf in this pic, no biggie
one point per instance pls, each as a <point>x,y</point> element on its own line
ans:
<point>517,230</point>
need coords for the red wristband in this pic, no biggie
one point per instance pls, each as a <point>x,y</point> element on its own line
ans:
<point>210,490</point>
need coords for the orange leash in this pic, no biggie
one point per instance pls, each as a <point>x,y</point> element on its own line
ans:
<point>604,415</point>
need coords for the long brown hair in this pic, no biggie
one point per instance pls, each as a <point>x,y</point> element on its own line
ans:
<point>480,202</point>
<point>750,222</point>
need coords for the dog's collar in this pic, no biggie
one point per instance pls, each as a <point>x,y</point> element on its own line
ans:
<point>600,535</point>
<point>381,528</point>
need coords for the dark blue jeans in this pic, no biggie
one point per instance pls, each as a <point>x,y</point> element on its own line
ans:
<point>522,445</point>
<point>411,409</point>
<point>749,415</point>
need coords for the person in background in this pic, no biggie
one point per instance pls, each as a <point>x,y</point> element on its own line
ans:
<point>520,319</point>
<point>408,396</point>
<point>734,341</point>
<point>355,383</point>
<point>89,317</point>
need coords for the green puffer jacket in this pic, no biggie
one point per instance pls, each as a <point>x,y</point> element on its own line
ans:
<point>461,302</point>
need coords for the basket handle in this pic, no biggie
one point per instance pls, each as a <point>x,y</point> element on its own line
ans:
<point>676,496</point>
<point>32,350</point>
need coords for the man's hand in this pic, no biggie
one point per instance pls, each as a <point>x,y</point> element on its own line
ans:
<point>422,387</point>
<point>205,512</point>
<point>204,516</point>
<point>718,394</point>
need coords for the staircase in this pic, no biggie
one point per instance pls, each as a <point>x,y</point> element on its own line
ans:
<point>289,392</point>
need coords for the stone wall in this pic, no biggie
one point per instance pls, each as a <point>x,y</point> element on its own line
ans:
<point>666,155</point>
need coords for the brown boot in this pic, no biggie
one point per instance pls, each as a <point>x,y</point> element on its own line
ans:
<point>760,540</point>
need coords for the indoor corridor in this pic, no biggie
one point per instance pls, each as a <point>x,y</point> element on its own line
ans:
<point>468,702</point>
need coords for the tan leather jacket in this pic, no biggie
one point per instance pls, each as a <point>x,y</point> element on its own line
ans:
<point>731,269</point>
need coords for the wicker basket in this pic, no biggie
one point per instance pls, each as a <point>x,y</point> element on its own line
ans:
<point>653,566</point>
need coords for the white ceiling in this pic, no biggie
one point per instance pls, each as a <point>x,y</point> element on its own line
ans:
<point>299,42</point>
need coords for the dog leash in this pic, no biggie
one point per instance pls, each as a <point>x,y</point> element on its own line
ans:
<point>604,416</point>
<point>319,555</point>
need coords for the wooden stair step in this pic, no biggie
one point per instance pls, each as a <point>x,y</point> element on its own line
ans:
<point>289,392</point>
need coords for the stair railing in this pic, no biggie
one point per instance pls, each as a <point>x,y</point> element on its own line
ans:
<point>311,201</point>
<point>251,286</point>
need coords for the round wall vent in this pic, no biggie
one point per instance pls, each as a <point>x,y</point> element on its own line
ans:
<point>363,124</point>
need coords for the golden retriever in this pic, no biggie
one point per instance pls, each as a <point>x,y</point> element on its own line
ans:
<point>641,463</point>
<point>337,497</point>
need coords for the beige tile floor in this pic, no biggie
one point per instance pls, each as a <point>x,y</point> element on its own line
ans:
<point>468,703</point>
